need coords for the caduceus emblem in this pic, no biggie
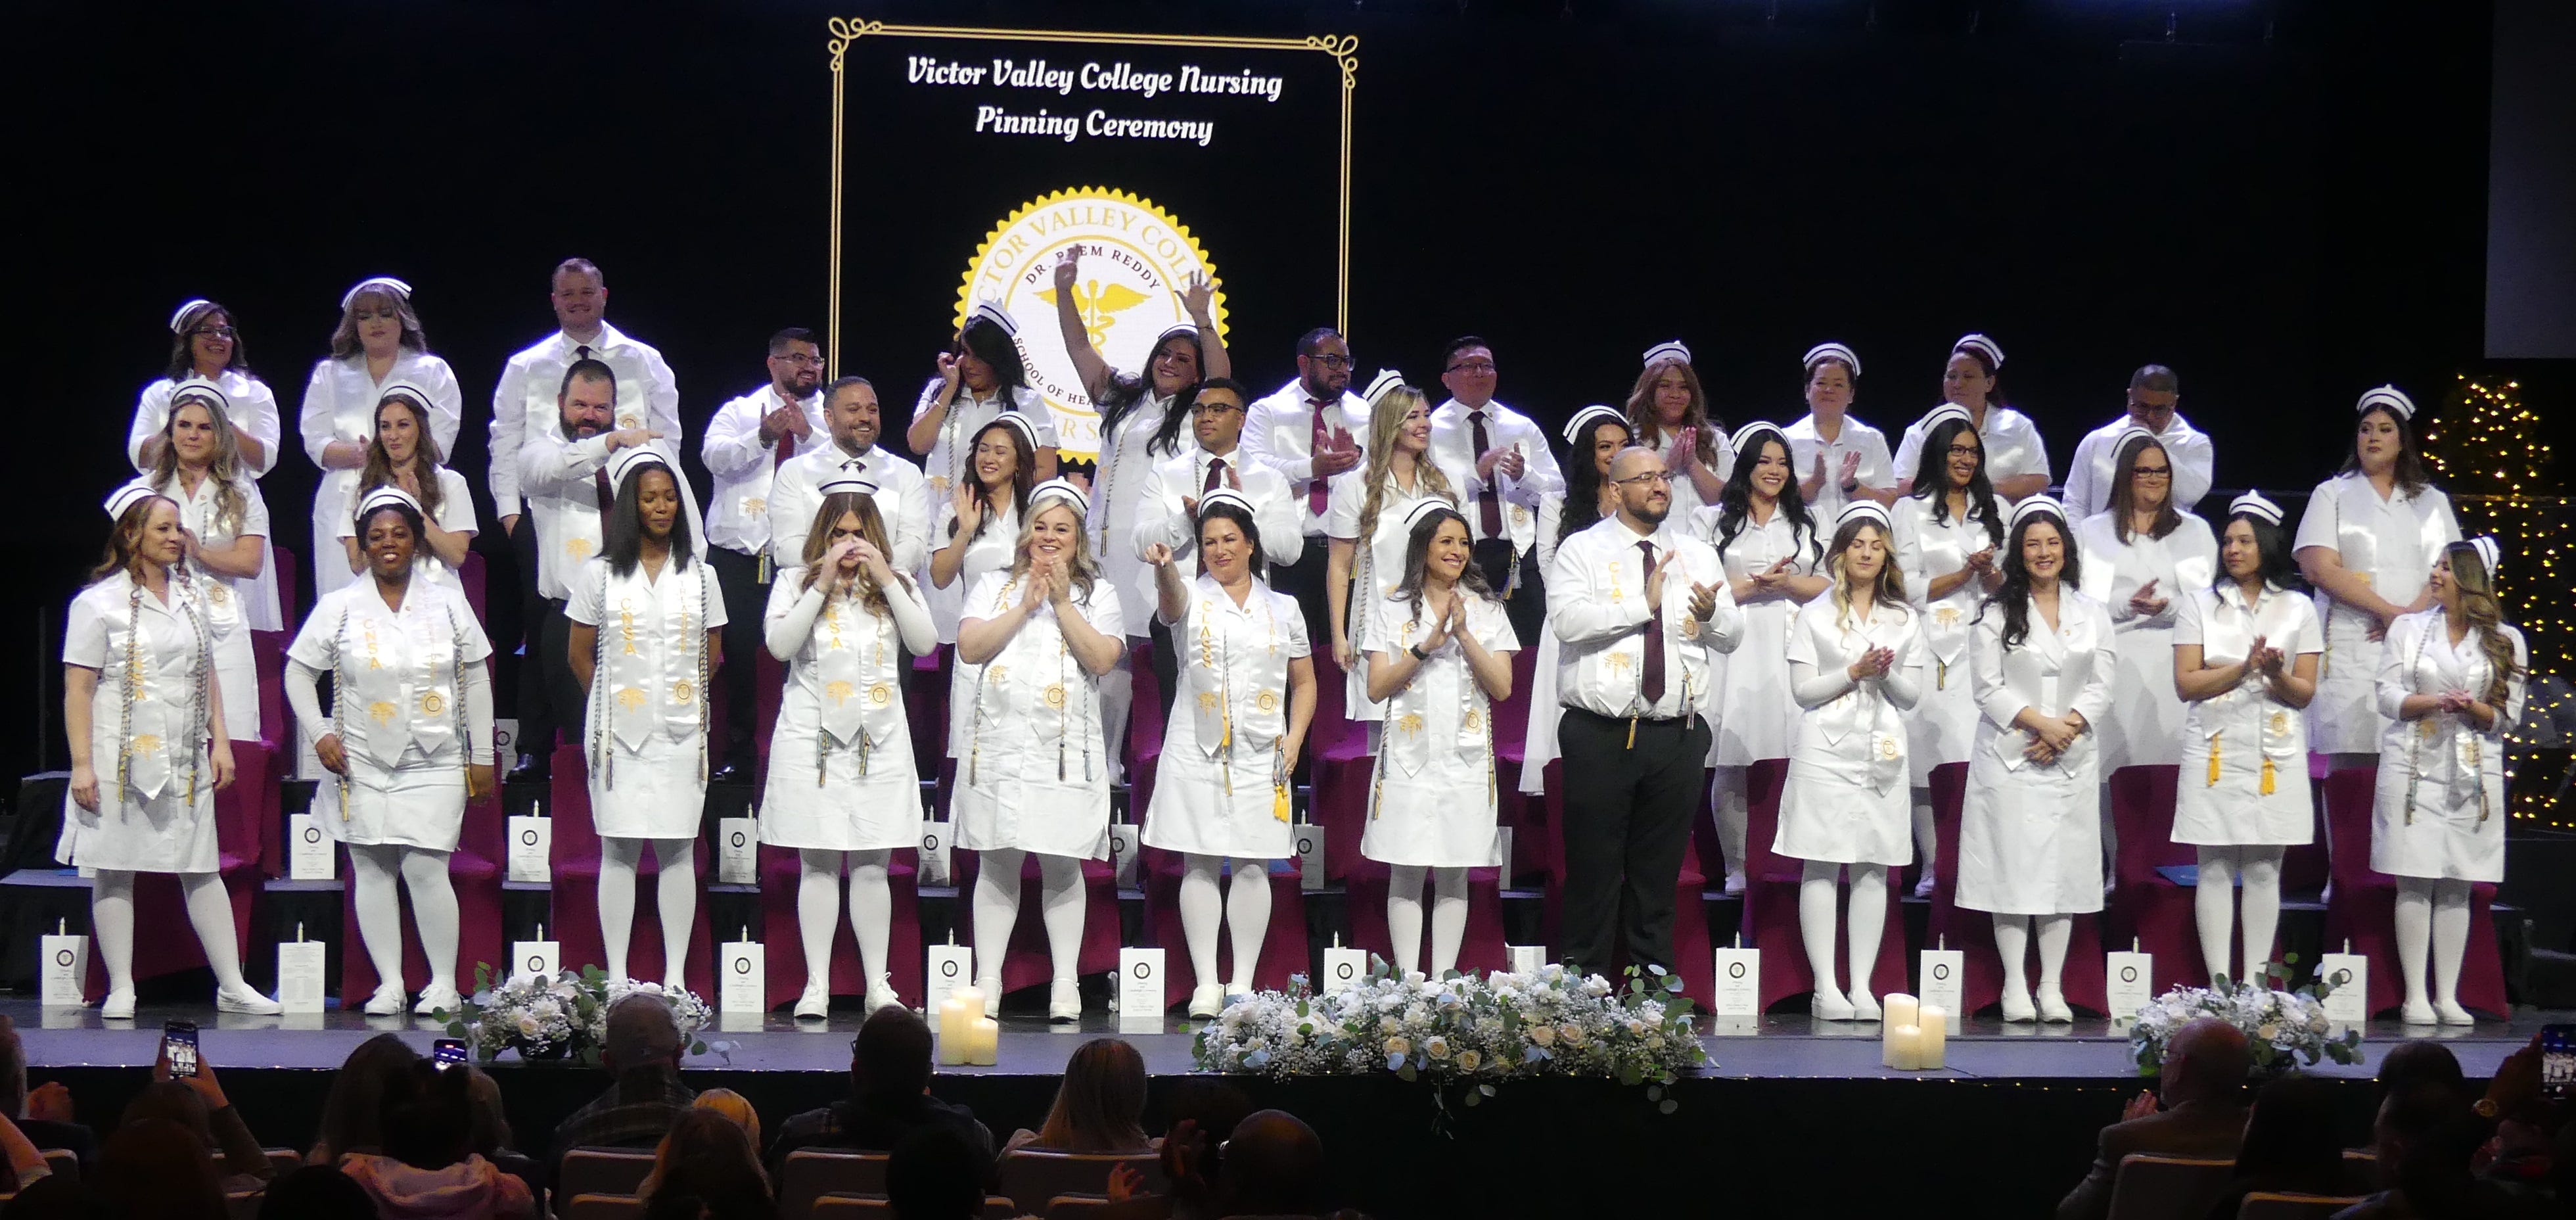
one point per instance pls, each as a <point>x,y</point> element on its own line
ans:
<point>1098,305</point>
<point>631,698</point>
<point>838,692</point>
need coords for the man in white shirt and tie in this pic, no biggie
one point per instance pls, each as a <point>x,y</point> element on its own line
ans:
<point>903,496</point>
<point>1310,430</point>
<point>523,402</point>
<point>1168,511</point>
<point>746,442</point>
<point>563,472</point>
<point>2154,392</point>
<point>1642,611</point>
<point>1502,467</point>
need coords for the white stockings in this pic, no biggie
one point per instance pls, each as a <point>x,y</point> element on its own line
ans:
<point>210,911</point>
<point>997,910</point>
<point>2435,913</point>
<point>1404,917</point>
<point>1245,906</point>
<point>1816,917</point>
<point>2012,942</point>
<point>1726,793</point>
<point>818,912</point>
<point>2214,903</point>
<point>1117,697</point>
<point>1927,839</point>
<point>676,898</point>
<point>377,871</point>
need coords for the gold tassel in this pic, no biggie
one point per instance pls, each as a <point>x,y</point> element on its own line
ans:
<point>2267,775</point>
<point>1279,801</point>
<point>2213,764</point>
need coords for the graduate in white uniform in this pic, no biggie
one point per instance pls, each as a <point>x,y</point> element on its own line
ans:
<point>144,712</point>
<point>2016,457</point>
<point>842,784</point>
<point>1035,775</point>
<point>1246,696</point>
<point>378,345</point>
<point>408,736</point>
<point>1366,524</point>
<point>2451,684</point>
<point>404,454</point>
<point>1948,531</point>
<point>2154,392</point>
<point>1856,666</point>
<point>2245,654</point>
<point>2030,848</point>
<point>980,376</point>
<point>646,637</point>
<point>1592,438</point>
<point>205,345</point>
<point>1669,413</point>
<point>977,532</point>
<point>223,525</point>
<point>1838,458</point>
<point>1760,529</point>
<point>2368,540</point>
<point>1167,510</point>
<point>2144,558</point>
<point>1141,416</point>
<point>1441,661</point>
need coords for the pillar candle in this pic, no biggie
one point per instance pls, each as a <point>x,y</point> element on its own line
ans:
<point>1931,1044</point>
<point>956,1013</point>
<point>1898,1009</point>
<point>1901,1044</point>
<point>983,1041</point>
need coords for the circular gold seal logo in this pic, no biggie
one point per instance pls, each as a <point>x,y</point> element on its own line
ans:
<point>1268,701</point>
<point>1054,696</point>
<point>431,704</point>
<point>1135,259</point>
<point>683,690</point>
<point>880,694</point>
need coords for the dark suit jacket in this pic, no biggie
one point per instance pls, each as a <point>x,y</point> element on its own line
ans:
<point>2193,1129</point>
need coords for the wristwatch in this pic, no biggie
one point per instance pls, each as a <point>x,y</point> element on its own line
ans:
<point>1418,654</point>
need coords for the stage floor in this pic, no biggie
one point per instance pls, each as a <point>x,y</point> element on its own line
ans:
<point>1780,1047</point>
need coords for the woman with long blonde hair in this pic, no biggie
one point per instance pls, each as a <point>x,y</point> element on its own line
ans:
<point>377,345</point>
<point>2450,683</point>
<point>1035,775</point>
<point>1366,562</point>
<point>842,785</point>
<point>1856,660</point>
<point>147,764</point>
<point>1669,413</point>
<point>223,523</point>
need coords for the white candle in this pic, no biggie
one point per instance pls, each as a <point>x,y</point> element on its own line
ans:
<point>1901,1043</point>
<point>1931,1045</point>
<point>963,1006</point>
<point>983,1042</point>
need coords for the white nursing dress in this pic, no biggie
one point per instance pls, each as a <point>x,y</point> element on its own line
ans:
<point>2440,811</point>
<point>1756,715</point>
<point>1035,774</point>
<point>340,405</point>
<point>1377,565</point>
<point>2030,835</point>
<point>990,551</point>
<point>455,515</point>
<point>648,700</point>
<point>1432,802</point>
<point>411,702</point>
<point>1219,791</point>
<point>227,601</point>
<point>841,774</point>
<point>1846,800</point>
<point>156,785</point>
<point>2244,754</point>
<point>2144,727</point>
<point>1942,727</point>
<point>2391,542</point>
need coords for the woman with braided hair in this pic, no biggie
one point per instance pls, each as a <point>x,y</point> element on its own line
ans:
<point>145,769</point>
<point>2450,684</point>
<point>841,778</point>
<point>645,616</point>
<point>408,736</point>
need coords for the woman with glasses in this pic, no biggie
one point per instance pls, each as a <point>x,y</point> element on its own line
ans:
<point>1139,428</point>
<point>1669,413</point>
<point>1947,532</point>
<point>379,344</point>
<point>1365,522</point>
<point>2143,558</point>
<point>205,346</point>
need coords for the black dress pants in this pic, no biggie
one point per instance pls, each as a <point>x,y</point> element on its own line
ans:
<point>1627,821</point>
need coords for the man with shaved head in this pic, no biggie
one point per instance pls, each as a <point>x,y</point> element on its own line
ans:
<point>1274,1166</point>
<point>2203,1115</point>
<point>1642,611</point>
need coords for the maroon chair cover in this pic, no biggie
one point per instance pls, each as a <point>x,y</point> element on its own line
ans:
<point>1026,962</point>
<point>1771,883</point>
<point>172,946</point>
<point>925,700</point>
<point>1973,932</point>
<point>2145,908</point>
<point>779,873</point>
<point>471,577</point>
<point>575,860</point>
<point>2363,912</point>
<point>769,684</point>
<point>1284,950</point>
<point>475,870</point>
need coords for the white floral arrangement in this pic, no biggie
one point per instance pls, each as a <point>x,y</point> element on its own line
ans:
<point>565,1015</point>
<point>2283,1028</point>
<point>1466,1029</point>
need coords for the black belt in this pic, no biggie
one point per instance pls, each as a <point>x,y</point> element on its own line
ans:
<point>1632,721</point>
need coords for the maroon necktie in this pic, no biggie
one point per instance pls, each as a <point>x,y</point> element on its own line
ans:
<point>1651,685</point>
<point>786,448</point>
<point>1318,494</point>
<point>1489,511</point>
<point>599,485</point>
<point>1215,479</point>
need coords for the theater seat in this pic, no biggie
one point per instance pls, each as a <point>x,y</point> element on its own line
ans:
<point>575,861</point>
<point>2363,910</point>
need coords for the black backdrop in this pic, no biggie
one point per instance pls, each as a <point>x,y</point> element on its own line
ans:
<point>2286,204</point>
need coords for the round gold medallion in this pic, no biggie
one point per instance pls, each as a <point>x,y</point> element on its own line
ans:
<point>881,694</point>
<point>683,690</point>
<point>1055,696</point>
<point>431,704</point>
<point>1887,747</point>
<point>1268,701</point>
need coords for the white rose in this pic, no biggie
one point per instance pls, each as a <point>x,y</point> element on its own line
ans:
<point>1399,1046</point>
<point>1468,1061</point>
<point>528,1026</point>
<point>1543,1035</point>
<point>1436,1046</point>
<point>1389,1025</point>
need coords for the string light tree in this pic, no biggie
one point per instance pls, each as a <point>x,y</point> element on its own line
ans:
<point>2485,450</point>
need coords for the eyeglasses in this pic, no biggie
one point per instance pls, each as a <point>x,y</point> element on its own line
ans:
<point>1659,476</point>
<point>1473,368</point>
<point>1330,361</point>
<point>1214,408</point>
<point>2152,472</point>
<point>219,332</point>
<point>1965,451</point>
<point>801,360</point>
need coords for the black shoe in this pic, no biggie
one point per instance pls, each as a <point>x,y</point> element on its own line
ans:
<point>532,769</point>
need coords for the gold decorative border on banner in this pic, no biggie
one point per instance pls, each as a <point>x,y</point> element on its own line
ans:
<point>1344,48</point>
